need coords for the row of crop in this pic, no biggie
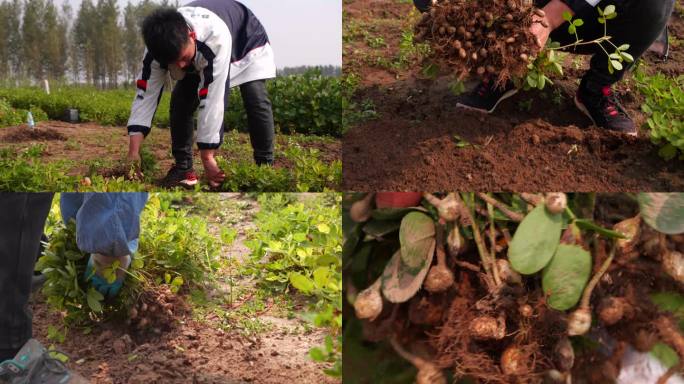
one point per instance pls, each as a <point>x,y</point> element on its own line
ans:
<point>298,246</point>
<point>15,116</point>
<point>25,170</point>
<point>308,103</point>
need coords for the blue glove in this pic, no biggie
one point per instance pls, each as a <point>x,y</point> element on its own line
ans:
<point>94,273</point>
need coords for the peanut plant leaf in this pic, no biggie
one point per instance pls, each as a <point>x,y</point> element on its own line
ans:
<point>565,277</point>
<point>416,233</point>
<point>663,211</point>
<point>379,228</point>
<point>93,297</point>
<point>301,282</point>
<point>394,213</point>
<point>591,226</point>
<point>535,241</point>
<point>401,282</point>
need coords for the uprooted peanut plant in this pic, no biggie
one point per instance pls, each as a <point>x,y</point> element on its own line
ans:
<point>505,288</point>
<point>492,39</point>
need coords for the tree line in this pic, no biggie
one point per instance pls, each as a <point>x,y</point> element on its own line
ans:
<point>97,44</point>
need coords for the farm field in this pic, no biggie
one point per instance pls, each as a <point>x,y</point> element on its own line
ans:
<point>57,156</point>
<point>412,135</point>
<point>239,309</point>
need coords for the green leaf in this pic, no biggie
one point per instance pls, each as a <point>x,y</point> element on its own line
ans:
<point>317,355</point>
<point>623,47</point>
<point>665,354</point>
<point>137,263</point>
<point>601,20</point>
<point>670,302</point>
<point>564,279</point>
<point>394,213</point>
<point>663,211</point>
<point>431,70</point>
<point>609,10</point>
<point>321,277</point>
<point>301,282</point>
<point>572,29</point>
<point>94,297</point>
<point>578,22</point>
<point>177,281</point>
<point>324,228</point>
<point>535,241</point>
<point>668,151</point>
<point>627,57</point>
<point>567,16</point>
<point>379,228</point>
<point>617,65</point>
<point>587,224</point>
<point>416,233</point>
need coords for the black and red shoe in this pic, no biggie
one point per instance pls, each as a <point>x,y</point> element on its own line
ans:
<point>486,96</point>
<point>177,177</point>
<point>602,106</point>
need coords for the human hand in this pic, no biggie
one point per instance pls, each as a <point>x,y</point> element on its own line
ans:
<point>545,20</point>
<point>541,28</point>
<point>133,162</point>
<point>107,274</point>
<point>214,174</point>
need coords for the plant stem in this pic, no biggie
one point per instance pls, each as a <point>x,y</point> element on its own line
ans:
<point>415,360</point>
<point>580,42</point>
<point>532,198</point>
<point>492,243</point>
<point>586,296</point>
<point>505,209</point>
<point>573,217</point>
<point>481,249</point>
<point>439,239</point>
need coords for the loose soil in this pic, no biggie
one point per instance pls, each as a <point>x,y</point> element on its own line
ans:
<point>533,141</point>
<point>93,147</point>
<point>36,134</point>
<point>192,350</point>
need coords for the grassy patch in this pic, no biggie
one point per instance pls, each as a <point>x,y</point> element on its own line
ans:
<point>664,106</point>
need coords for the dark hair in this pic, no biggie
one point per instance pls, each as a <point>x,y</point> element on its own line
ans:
<point>165,33</point>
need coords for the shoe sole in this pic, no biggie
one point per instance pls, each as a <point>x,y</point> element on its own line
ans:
<point>580,105</point>
<point>189,183</point>
<point>502,98</point>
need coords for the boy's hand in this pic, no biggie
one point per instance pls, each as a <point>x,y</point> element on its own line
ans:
<point>211,169</point>
<point>133,159</point>
<point>550,18</point>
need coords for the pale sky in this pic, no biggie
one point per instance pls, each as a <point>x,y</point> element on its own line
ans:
<point>302,32</point>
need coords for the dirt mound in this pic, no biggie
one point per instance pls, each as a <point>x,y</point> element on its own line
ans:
<point>156,311</point>
<point>479,153</point>
<point>36,134</point>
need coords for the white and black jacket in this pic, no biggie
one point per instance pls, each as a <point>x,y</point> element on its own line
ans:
<point>232,49</point>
